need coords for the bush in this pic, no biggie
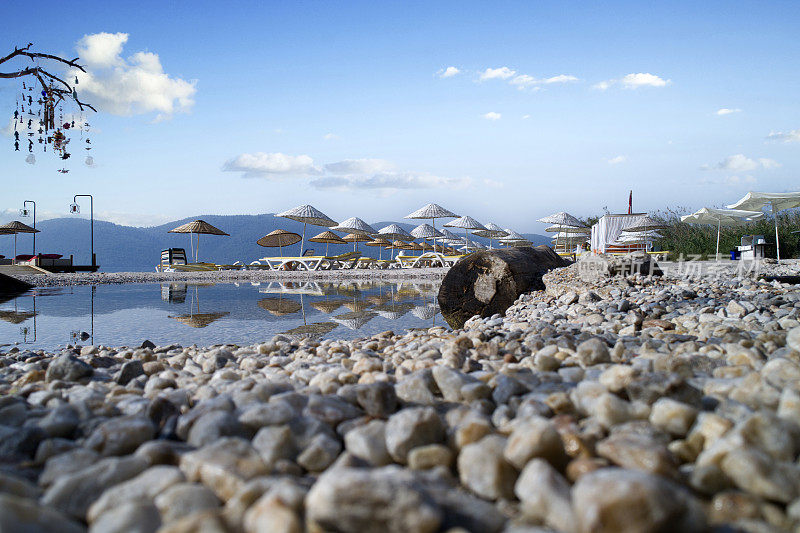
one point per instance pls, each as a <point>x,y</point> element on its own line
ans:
<point>690,239</point>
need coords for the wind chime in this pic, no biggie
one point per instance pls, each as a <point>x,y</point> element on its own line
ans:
<point>42,124</point>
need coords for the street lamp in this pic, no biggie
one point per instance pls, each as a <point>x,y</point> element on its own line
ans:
<point>25,212</point>
<point>74,208</point>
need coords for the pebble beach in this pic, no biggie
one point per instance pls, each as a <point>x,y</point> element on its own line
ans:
<point>602,403</point>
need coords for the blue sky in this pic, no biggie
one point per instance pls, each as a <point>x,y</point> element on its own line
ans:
<point>554,106</point>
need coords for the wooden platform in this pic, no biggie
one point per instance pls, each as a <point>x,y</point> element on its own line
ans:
<point>22,270</point>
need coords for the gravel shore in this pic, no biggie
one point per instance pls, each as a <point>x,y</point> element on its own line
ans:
<point>616,404</point>
<point>230,276</point>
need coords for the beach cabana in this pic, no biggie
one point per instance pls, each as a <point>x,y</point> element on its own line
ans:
<point>307,214</point>
<point>197,227</point>
<point>608,229</point>
<point>721,217</point>
<point>776,201</point>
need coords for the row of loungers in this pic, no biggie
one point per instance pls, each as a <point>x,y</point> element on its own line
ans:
<point>174,261</point>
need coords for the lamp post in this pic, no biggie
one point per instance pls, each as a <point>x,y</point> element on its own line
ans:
<point>74,208</point>
<point>24,213</point>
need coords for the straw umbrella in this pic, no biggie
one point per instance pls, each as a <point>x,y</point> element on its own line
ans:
<point>16,227</point>
<point>197,227</point>
<point>355,238</point>
<point>379,243</point>
<point>355,225</point>
<point>395,233</point>
<point>432,211</point>
<point>721,217</point>
<point>492,231</point>
<point>278,239</point>
<point>467,223</point>
<point>426,231</point>
<point>327,237</point>
<point>307,214</point>
<point>562,219</point>
<point>776,201</point>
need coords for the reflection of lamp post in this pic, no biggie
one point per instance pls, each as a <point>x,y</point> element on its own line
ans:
<point>25,213</point>
<point>74,208</point>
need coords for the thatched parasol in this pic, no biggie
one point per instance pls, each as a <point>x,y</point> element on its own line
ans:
<point>380,244</point>
<point>16,227</point>
<point>278,239</point>
<point>327,237</point>
<point>197,227</point>
<point>307,214</point>
<point>431,211</point>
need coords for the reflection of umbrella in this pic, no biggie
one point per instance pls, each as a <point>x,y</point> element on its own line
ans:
<point>777,201</point>
<point>279,306</point>
<point>199,320</point>
<point>16,227</point>
<point>327,237</point>
<point>425,312</point>
<point>317,329</point>
<point>721,217</point>
<point>354,320</point>
<point>197,227</point>
<point>432,211</point>
<point>328,306</point>
<point>16,317</point>
<point>307,215</point>
<point>356,305</point>
<point>393,311</point>
<point>278,239</point>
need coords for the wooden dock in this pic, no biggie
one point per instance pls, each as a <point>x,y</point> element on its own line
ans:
<point>22,270</point>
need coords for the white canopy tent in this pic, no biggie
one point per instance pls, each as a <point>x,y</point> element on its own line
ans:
<point>608,229</point>
<point>776,201</point>
<point>721,217</point>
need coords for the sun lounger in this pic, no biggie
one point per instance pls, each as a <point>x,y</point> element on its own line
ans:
<point>309,262</point>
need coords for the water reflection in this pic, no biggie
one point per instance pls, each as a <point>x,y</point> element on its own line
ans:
<point>208,313</point>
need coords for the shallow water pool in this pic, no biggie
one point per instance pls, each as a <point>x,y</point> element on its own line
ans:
<point>209,313</point>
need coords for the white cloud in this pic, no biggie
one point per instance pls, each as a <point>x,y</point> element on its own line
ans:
<point>736,180</point>
<point>491,115</point>
<point>741,163</point>
<point>787,136</point>
<point>561,78</point>
<point>390,180</point>
<point>330,137</point>
<point>725,111</point>
<point>128,86</point>
<point>261,164</point>
<point>617,160</point>
<point>494,184</point>
<point>502,73</point>
<point>449,72</point>
<point>359,166</point>
<point>634,81</point>
<point>525,117</point>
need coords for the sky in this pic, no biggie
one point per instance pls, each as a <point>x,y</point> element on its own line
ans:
<point>504,111</point>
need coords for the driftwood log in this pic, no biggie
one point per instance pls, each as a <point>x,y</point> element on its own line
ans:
<point>485,283</point>
<point>12,286</point>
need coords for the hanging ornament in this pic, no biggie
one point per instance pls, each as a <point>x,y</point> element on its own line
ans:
<point>89,161</point>
<point>31,159</point>
<point>63,170</point>
<point>76,80</point>
<point>16,146</point>
<point>30,145</point>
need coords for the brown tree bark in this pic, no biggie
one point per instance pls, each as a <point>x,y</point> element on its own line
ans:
<point>485,283</point>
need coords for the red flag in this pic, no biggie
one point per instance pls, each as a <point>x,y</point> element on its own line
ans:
<point>630,203</point>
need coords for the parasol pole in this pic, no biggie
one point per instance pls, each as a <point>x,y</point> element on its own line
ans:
<point>777,242</point>
<point>303,240</point>
<point>719,223</point>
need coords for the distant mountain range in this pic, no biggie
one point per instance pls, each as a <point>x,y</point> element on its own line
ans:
<point>125,247</point>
